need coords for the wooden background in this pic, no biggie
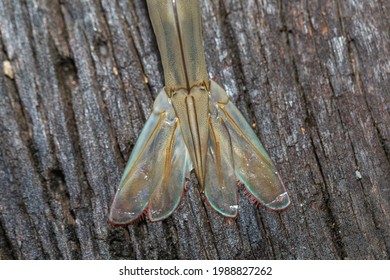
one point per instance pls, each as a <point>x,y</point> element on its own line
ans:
<point>313,76</point>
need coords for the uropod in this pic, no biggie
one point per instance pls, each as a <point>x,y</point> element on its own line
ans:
<point>193,125</point>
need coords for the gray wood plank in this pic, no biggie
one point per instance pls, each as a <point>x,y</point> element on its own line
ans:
<point>311,76</point>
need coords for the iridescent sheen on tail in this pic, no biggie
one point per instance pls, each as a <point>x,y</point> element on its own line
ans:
<point>193,126</point>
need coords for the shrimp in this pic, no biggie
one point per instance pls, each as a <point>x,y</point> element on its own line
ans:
<point>193,125</point>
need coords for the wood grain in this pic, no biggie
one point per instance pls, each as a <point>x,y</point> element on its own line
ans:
<point>312,76</point>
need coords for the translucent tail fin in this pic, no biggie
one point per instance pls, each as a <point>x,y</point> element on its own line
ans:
<point>153,181</point>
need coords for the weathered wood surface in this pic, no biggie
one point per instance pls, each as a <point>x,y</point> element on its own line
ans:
<point>312,75</point>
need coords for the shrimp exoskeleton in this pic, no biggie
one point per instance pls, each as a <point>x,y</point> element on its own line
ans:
<point>193,126</point>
